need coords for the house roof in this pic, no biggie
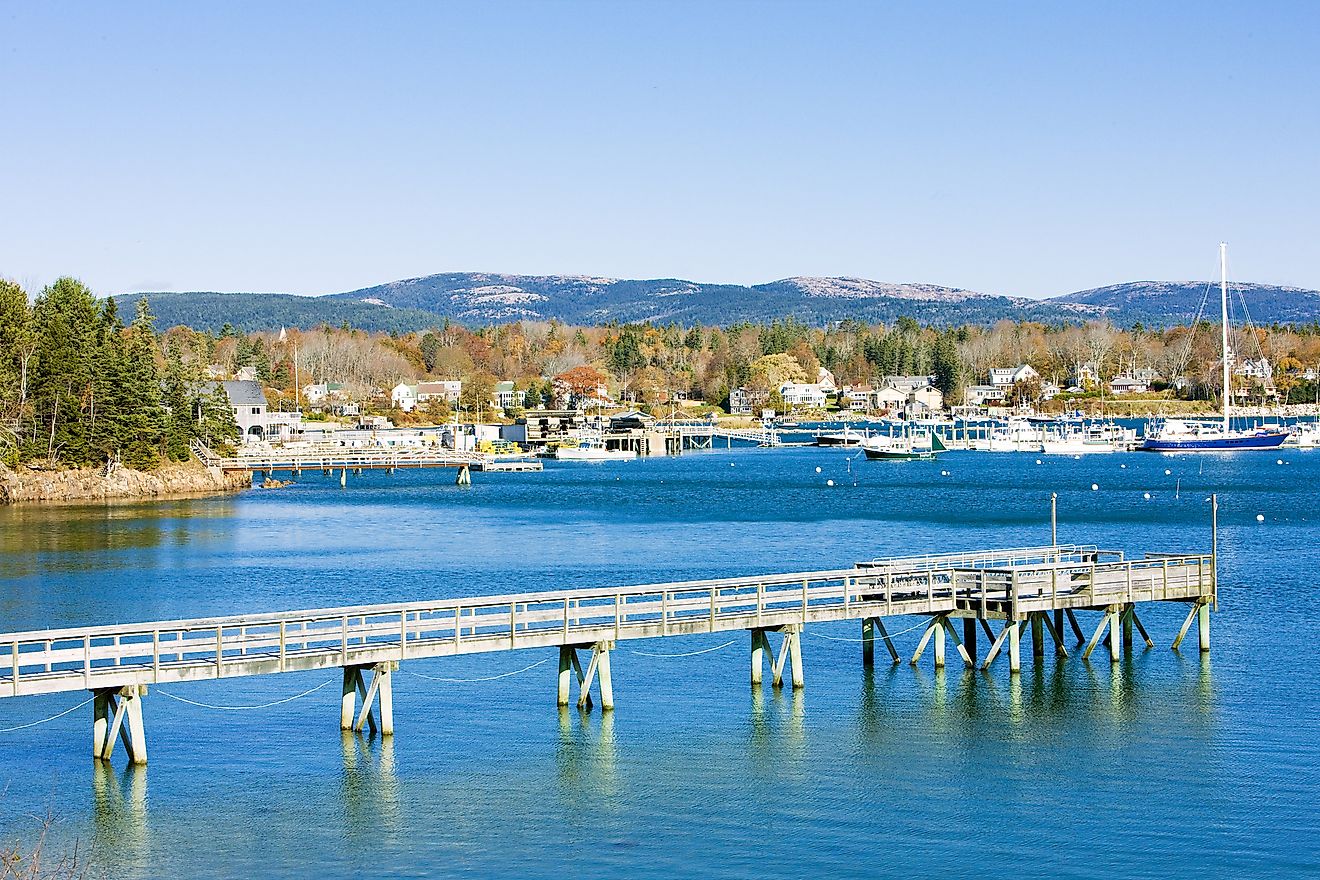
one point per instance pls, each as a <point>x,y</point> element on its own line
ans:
<point>242,392</point>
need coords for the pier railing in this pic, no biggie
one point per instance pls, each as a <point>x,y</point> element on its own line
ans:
<point>993,584</point>
<point>1063,585</point>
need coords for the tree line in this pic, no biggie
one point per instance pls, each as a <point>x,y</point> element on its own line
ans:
<point>80,387</point>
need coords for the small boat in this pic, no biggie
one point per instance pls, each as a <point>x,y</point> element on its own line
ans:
<point>1087,440</point>
<point>846,437</point>
<point>903,447</point>
<point>1183,435</point>
<point>1019,435</point>
<point>592,449</point>
<point>1307,435</point>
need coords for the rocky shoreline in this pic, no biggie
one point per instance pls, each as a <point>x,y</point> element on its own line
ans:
<point>25,485</point>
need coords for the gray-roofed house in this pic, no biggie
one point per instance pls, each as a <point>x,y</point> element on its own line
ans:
<point>252,413</point>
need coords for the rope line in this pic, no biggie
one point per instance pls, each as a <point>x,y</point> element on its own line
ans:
<point>901,632</point>
<point>45,720</point>
<point>483,678</point>
<point>246,708</point>
<point>686,654</point>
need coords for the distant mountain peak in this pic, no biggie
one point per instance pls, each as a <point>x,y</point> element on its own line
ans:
<point>487,297</point>
<point>844,287</point>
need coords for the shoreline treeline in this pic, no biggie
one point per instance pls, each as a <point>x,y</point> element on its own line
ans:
<point>80,387</point>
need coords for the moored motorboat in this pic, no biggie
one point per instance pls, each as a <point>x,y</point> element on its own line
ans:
<point>905,446</point>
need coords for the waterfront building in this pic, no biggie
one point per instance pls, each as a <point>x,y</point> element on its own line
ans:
<point>406,397</point>
<point>803,394</point>
<point>505,396</point>
<point>1127,385</point>
<point>256,422</point>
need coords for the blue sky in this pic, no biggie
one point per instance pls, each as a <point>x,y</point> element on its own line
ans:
<point>1027,149</point>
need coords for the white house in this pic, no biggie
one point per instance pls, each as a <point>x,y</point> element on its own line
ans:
<point>319,392</point>
<point>1254,369</point>
<point>504,396</point>
<point>803,394</point>
<point>406,397</point>
<point>1006,377</point>
<point>825,379</point>
<point>859,398</point>
<point>985,395</point>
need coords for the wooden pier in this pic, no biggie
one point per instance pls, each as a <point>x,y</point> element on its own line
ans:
<point>348,460</point>
<point>998,592</point>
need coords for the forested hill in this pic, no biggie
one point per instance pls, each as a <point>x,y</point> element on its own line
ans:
<point>479,298</point>
<point>1160,303</point>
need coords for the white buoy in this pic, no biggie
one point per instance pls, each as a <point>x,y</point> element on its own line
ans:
<point>1122,467</point>
<point>944,473</point>
<point>1260,517</point>
<point>1038,461</point>
<point>1146,496</point>
<point>1167,472</point>
<point>1077,458</point>
<point>1094,487</point>
<point>817,470</point>
<point>829,482</point>
<point>1280,461</point>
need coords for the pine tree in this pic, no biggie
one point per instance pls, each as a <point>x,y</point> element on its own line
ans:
<point>143,422</point>
<point>64,320</point>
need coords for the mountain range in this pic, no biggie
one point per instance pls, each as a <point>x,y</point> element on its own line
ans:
<point>475,298</point>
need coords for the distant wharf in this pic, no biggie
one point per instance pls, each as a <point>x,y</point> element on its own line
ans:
<point>1039,589</point>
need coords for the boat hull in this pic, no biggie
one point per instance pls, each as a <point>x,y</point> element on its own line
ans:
<point>890,455</point>
<point>1216,444</point>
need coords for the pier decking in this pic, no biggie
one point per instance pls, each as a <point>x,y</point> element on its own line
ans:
<point>1038,587</point>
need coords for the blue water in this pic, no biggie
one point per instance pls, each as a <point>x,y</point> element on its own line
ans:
<point>1168,764</point>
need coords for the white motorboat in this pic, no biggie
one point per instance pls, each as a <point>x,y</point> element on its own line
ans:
<point>1018,435</point>
<point>592,449</point>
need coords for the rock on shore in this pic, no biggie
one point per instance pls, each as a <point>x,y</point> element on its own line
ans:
<point>92,484</point>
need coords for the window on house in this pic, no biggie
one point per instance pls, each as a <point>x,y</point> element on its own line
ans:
<point>256,410</point>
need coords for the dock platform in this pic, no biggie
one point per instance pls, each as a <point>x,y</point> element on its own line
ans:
<point>996,592</point>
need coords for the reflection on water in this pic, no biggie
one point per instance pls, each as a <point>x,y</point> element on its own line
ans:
<point>585,755</point>
<point>370,786</point>
<point>120,835</point>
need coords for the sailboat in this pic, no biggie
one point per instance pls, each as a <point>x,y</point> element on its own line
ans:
<point>1185,435</point>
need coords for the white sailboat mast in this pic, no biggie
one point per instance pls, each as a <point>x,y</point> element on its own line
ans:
<point>1223,326</point>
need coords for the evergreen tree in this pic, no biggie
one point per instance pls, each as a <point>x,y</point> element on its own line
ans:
<point>65,320</point>
<point>180,424</point>
<point>946,365</point>
<point>143,422</point>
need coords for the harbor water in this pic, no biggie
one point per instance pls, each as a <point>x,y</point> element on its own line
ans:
<point>1168,763</point>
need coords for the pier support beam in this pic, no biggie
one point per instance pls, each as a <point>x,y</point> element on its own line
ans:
<point>939,627</point>
<point>1076,627</point>
<point>343,481</point>
<point>377,712</point>
<point>790,653</point>
<point>1116,640</point>
<point>597,672</point>
<point>1038,635</point>
<point>464,477</point>
<point>1203,626</point>
<point>969,637</point>
<point>117,715</point>
<point>1014,646</point>
<point>878,626</point>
